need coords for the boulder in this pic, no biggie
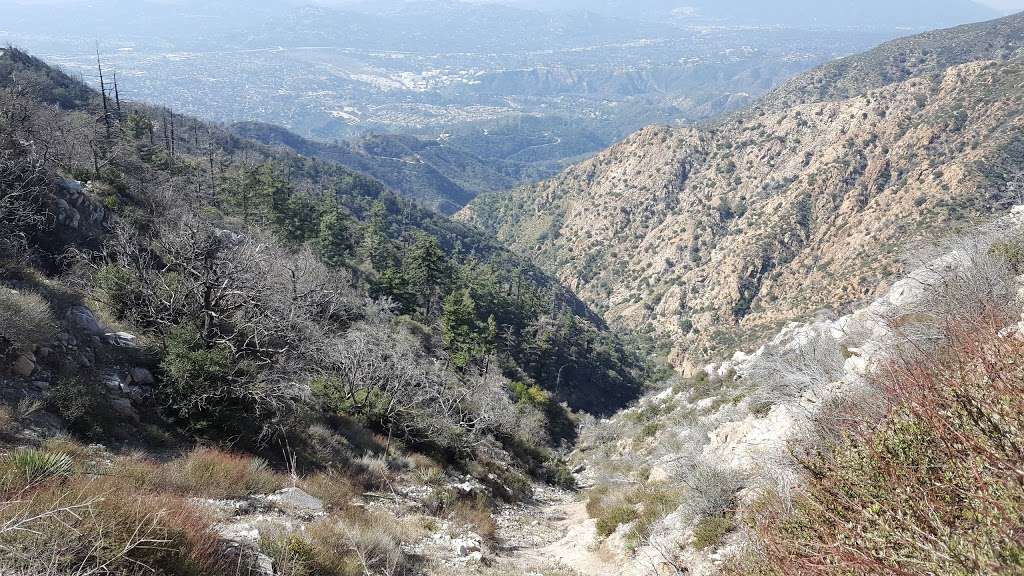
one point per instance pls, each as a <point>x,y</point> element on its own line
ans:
<point>242,533</point>
<point>121,339</point>
<point>262,565</point>
<point>112,382</point>
<point>141,377</point>
<point>297,502</point>
<point>24,366</point>
<point>85,320</point>
<point>124,409</point>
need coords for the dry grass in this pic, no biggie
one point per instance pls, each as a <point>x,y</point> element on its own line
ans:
<point>8,420</point>
<point>335,489</point>
<point>78,526</point>
<point>203,473</point>
<point>25,320</point>
<point>477,516</point>
<point>355,543</point>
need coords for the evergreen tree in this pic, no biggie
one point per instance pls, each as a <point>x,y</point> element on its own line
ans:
<point>334,242</point>
<point>257,192</point>
<point>376,246</point>
<point>459,328</point>
<point>296,219</point>
<point>427,270</point>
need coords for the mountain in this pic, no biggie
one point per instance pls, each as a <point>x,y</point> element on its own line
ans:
<point>293,338</point>
<point>710,237</point>
<point>830,13</point>
<point>122,184</point>
<point>928,53</point>
<point>436,175</point>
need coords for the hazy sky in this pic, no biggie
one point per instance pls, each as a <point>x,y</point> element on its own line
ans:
<point>1005,5</point>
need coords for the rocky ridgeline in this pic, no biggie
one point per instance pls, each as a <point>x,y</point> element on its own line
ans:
<point>748,413</point>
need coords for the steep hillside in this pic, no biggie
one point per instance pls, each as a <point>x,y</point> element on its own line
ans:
<point>439,176</point>
<point>169,288</point>
<point>898,60</point>
<point>847,445</point>
<point>703,236</point>
<point>104,212</point>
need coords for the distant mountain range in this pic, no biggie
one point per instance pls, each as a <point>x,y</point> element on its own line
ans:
<point>830,13</point>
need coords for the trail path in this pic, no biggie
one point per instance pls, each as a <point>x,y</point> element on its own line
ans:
<point>555,530</point>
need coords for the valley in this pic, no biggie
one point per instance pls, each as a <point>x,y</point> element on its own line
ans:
<point>537,89</point>
<point>441,289</point>
<point>713,237</point>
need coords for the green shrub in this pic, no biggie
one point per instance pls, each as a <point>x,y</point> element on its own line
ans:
<point>201,382</point>
<point>84,405</point>
<point>1012,253</point>
<point>935,488</point>
<point>711,531</point>
<point>25,321</point>
<point>530,394</point>
<point>656,501</point>
<point>120,290</point>
<point>610,519</point>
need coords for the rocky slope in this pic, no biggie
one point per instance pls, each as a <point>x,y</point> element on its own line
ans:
<point>701,235</point>
<point>732,432</point>
<point>898,60</point>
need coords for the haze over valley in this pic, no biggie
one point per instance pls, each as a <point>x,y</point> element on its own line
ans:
<point>525,89</point>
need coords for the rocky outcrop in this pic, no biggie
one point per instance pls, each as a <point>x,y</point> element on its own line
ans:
<point>76,215</point>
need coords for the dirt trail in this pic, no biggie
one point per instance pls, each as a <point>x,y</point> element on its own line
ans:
<point>554,531</point>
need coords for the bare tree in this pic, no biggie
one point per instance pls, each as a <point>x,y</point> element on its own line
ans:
<point>22,182</point>
<point>783,373</point>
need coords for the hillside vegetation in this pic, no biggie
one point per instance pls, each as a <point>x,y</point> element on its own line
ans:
<point>164,283</point>
<point>707,238</point>
<point>438,176</point>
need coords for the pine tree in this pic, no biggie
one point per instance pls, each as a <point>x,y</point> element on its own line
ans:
<point>459,328</point>
<point>297,219</point>
<point>376,246</point>
<point>427,270</point>
<point>334,241</point>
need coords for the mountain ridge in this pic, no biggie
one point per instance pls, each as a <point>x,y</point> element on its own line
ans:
<point>708,236</point>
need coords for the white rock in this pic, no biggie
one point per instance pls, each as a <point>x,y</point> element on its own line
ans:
<point>242,533</point>
<point>297,502</point>
<point>467,545</point>
<point>121,339</point>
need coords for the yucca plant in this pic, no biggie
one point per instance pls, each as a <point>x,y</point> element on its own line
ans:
<point>30,467</point>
